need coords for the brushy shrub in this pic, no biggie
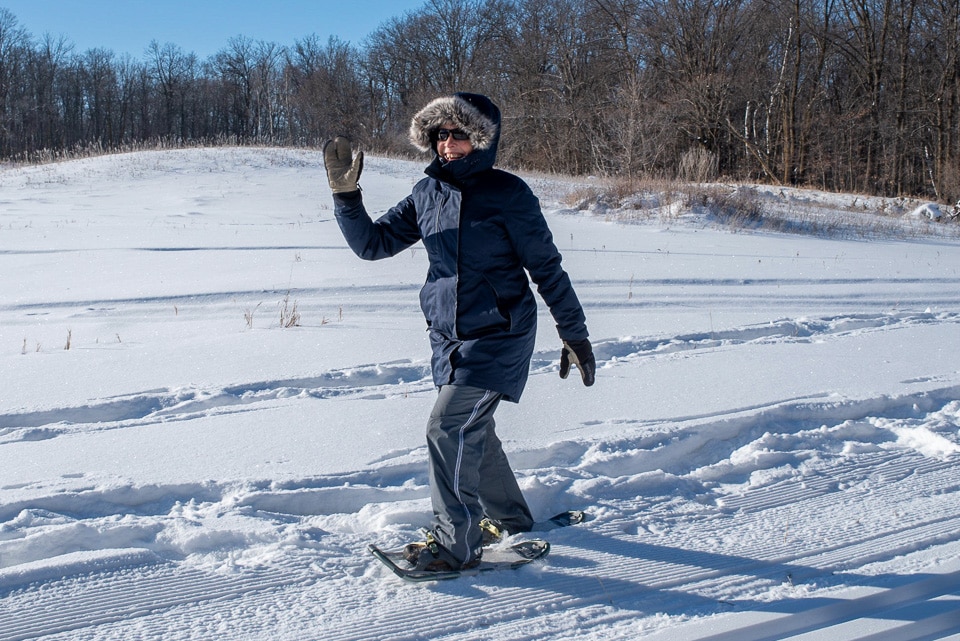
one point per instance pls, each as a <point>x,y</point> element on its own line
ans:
<point>740,208</point>
<point>698,165</point>
<point>289,315</point>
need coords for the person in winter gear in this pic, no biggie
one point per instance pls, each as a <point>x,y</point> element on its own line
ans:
<point>484,232</point>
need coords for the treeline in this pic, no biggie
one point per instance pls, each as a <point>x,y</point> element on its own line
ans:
<point>845,95</point>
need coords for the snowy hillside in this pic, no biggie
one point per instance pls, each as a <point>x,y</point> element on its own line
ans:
<point>771,449</point>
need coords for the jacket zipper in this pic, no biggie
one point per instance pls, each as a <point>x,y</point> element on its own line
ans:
<point>437,219</point>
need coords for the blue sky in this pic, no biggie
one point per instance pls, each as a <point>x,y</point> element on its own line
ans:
<point>201,26</point>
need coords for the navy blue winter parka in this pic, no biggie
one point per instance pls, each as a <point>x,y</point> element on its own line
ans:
<point>483,231</point>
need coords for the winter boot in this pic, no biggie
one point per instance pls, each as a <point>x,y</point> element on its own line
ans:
<point>493,531</point>
<point>430,556</point>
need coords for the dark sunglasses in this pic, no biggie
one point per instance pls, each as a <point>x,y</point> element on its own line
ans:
<point>458,134</point>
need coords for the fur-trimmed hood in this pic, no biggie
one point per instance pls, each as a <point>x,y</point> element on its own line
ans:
<point>473,113</point>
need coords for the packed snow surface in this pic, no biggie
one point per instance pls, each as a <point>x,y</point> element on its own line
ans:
<point>770,451</point>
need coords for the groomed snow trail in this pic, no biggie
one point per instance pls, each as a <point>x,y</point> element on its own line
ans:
<point>601,580</point>
<point>787,541</point>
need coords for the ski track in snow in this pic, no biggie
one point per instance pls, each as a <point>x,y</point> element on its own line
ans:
<point>382,379</point>
<point>184,404</point>
<point>608,573</point>
<point>665,552</point>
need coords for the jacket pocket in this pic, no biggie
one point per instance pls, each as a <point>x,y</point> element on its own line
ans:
<point>482,312</point>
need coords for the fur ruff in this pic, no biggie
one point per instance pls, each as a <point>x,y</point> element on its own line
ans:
<point>461,113</point>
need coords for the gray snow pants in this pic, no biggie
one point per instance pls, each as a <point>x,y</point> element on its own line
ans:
<point>470,476</point>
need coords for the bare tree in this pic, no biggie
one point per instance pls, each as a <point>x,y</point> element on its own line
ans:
<point>234,67</point>
<point>47,62</point>
<point>126,72</point>
<point>938,94</point>
<point>704,60</point>
<point>327,92</point>
<point>174,72</point>
<point>864,41</point>
<point>780,111</point>
<point>14,44</point>
<point>98,74</point>
<point>561,84</point>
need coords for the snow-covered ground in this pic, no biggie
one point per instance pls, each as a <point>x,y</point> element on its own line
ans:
<point>771,449</point>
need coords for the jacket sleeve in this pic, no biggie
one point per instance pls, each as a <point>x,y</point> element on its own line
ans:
<point>533,242</point>
<point>389,235</point>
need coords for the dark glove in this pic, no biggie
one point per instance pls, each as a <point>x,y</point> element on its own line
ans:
<point>580,353</point>
<point>343,170</point>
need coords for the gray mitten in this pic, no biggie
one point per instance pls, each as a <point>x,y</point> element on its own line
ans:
<point>343,170</point>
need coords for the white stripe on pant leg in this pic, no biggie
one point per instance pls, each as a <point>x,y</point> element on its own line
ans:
<point>456,474</point>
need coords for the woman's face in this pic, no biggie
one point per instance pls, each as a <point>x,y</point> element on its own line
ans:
<point>451,148</point>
